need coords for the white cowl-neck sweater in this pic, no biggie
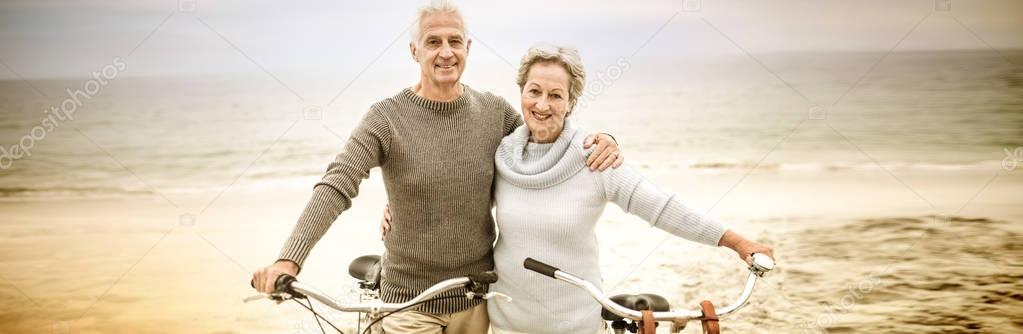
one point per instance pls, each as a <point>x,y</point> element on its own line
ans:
<point>548,205</point>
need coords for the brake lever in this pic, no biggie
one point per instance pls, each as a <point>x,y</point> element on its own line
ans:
<point>498,295</point>
<point>276,296</point>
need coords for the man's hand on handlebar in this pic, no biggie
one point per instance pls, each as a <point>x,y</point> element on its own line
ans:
<point>263,280</point>
<point>744,247</point>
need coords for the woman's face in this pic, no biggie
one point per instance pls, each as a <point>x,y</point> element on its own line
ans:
<point>545,101</point>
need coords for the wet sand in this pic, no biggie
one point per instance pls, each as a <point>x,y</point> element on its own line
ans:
<point>923,274</point>
<point>877,261</point>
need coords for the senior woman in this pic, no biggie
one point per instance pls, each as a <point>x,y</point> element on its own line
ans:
<point>548,205</point>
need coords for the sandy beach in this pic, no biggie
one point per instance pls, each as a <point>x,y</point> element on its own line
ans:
<point>877,146</point>
<point>855,261</point>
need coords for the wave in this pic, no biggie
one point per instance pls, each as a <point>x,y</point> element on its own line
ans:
<point>167,185</point>
<point>212,180</point>
<point>19,192</point>
<point>838,166</point>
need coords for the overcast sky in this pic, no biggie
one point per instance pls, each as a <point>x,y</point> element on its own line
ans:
<point>40,39</point>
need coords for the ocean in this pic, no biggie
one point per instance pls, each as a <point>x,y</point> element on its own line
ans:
<point>943,111</point>
<point>886,183</point>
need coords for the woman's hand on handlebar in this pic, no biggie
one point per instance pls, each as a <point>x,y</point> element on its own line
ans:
<point>263,280</point>
<point>744,247</point>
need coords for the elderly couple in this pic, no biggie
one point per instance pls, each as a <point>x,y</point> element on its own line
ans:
<point>449,152</point>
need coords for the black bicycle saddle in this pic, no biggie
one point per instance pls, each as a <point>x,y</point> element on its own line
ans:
<point>366,268</point>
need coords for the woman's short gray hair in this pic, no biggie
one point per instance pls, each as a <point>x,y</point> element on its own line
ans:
<point>435,6</point>
<point>566,56</point>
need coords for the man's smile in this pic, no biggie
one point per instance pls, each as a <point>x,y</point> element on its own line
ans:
<point>446,67</point>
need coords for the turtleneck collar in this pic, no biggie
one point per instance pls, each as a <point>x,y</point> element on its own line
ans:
<point>537,166</point>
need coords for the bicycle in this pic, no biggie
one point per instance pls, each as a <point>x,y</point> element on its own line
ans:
<point>644,310</point>
<point>366,269</point>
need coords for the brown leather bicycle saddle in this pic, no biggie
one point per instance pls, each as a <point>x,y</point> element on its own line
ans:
<point>640,302</point>
<point>366,268</point>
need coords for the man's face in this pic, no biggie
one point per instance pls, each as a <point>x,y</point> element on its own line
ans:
<point>442,48</point>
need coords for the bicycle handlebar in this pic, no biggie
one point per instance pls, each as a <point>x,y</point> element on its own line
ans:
<point>287,286</point>
<point>761,265</point>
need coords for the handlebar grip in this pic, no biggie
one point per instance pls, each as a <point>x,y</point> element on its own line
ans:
<point>540,267</point>
<point>486,277</point>
<point>283,283</point>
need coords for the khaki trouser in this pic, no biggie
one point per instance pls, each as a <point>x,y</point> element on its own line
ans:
<point>494,330</point>
<point>471,321</point>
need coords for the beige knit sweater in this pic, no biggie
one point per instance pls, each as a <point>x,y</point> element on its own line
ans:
<point>437,160</point>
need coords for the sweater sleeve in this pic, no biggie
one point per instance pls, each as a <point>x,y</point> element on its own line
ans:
<point>627,188</point>
<point>366,148</point>
<point>512,118</point>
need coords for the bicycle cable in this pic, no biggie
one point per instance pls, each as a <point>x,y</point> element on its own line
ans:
<point>407,307</point>
<point>317,316</point>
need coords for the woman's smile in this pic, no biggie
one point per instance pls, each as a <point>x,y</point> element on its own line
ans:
<point>540,116</point>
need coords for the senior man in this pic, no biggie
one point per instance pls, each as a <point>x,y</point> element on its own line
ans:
<point>435,143</point>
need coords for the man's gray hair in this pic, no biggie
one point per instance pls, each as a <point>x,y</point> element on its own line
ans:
<point>435,6</point>
<point>566,56</point>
